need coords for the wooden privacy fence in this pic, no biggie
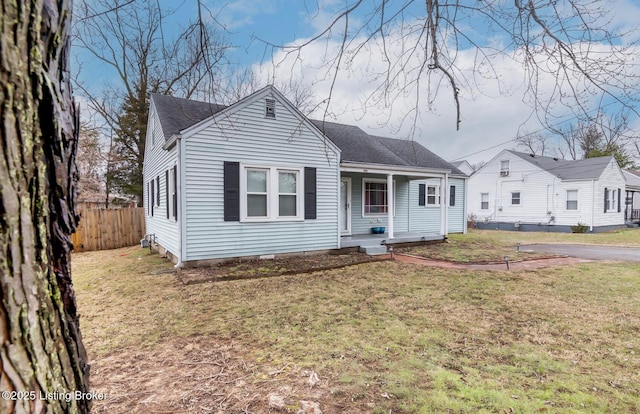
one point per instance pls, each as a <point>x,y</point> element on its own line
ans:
<point>101,229</point>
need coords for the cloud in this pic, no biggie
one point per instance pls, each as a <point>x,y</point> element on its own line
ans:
<point>240,13</point>
<point>492,109</point>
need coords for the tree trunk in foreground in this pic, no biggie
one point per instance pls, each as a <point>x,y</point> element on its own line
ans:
<point>41,348</point>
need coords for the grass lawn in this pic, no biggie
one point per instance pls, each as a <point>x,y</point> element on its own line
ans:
<point>381,337</point>
<point>482,246</point>
<point>623,237</point>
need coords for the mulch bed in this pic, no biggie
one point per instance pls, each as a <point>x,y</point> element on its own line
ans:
<point>280,266</point>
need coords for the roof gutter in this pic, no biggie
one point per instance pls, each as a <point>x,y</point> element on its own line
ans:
<point>171,142</point>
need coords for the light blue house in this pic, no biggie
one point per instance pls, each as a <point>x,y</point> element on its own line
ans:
<point>258,178</point>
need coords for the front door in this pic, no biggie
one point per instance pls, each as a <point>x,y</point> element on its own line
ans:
<point>345,206</point>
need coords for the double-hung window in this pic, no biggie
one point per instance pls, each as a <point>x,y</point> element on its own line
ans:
<point>484,201</point>
<point>287,193</point>
<point>271,193</point>
<point>171,180</point>
<point>572,199</point>
<point>433,198</point>
<point>515,198</point>
<point>504,168</point>
<point>257,194</point>
<point>151,194</point>
<point>611,200</point>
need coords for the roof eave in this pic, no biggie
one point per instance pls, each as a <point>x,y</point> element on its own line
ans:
<point>171,142</point>
<point>390,169</point>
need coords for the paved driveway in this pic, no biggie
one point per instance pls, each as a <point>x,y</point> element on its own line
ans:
<point>625,254</point>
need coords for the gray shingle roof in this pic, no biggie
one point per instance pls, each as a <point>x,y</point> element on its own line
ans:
<point>587,169</point>
<point>176,114</point>
<point>632,178</point>
<point>358,146</point>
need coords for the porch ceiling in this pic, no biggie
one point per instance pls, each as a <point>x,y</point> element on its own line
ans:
<point>411,173</point>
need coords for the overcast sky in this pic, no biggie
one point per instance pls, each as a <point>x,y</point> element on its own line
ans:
<point>492,112</point>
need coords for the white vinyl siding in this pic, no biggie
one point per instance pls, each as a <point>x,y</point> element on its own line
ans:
<point>457,218</point>
<point>245,136</point>
<point>424,218</point>
<point>611,179</point>
<point>543,196</point>
<point>156,162</point>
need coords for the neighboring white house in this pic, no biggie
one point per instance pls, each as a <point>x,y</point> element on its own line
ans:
<point>463,166</point>
<point>520,191</point>
<point>632,199</point>
<point>259,178</point>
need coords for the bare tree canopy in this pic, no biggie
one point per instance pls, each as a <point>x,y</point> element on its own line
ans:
<point>602,135</point>
<point>141,56</point>
<point>534,143</point>
<point>574,57</point>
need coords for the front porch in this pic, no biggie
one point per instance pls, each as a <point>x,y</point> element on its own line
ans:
<point>363,240</point>
<point>410,207</point>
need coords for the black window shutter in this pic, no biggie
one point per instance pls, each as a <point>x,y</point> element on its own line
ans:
<point>606,200</point>
<point>231,191</point>
<point>158,191</point>
<point>452,195</point>
<point>151,197</point>
<point>175,192</point>
<point>422,189</point>
<point>619,195</point>
<point>166,187</point>
<point>310,193</point>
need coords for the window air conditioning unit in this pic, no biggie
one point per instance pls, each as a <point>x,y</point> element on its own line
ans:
<point>504,173</point>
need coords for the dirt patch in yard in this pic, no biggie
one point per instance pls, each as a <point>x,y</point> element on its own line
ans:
<point>253,269</point>
<point>534,263</point>
<point>208,375</point>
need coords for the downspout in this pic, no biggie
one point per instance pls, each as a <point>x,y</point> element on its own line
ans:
<point>391,205</point>
<point>338,195</point>
<point>593,204</point>
<point>444,204</point>
<point>464,207</point>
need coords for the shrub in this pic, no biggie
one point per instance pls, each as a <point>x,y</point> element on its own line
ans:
<point>580,228</point>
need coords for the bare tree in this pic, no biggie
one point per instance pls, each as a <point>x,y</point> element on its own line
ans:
<point>601,135</point>
<point>569,146</point>
<point>129,39</point>
<point>90,160</point>
<point>569,42</point>
<point>476,166</point>
<point>535,144</point>
<point>616,130</point>
<point>41,346</point>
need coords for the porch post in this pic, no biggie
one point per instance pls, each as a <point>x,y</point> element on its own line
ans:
<point>445,205</point>
<point>443,202</point>
<point>390,204</point>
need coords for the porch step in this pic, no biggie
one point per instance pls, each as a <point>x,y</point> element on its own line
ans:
<point>374,250</point>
